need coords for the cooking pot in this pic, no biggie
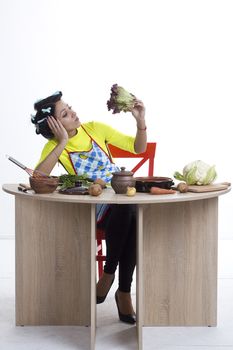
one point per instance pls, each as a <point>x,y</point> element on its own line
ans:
<point>144,184</point>
<point>121,180</point>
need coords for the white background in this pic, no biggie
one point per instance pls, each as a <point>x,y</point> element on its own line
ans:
<point>177,56</point>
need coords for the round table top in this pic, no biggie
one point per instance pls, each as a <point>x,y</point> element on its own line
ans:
<point>109,196</point>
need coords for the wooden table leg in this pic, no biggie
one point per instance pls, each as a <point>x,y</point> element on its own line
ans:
<point>139,277</point>
<point>180,263</point>
<point>93,276</point>
<point>55,263</point>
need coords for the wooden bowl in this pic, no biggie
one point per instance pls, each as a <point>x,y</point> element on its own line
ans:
<point>44,184</point>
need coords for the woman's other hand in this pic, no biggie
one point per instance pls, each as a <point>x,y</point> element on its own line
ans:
<point>58,130</point>
<point>138,110</point>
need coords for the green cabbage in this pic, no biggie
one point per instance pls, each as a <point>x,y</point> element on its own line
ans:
<point>197,173</point>
<point>120,100</point>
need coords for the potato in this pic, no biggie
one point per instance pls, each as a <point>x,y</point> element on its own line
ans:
<point>95,190</point>
<point>182,187</point>
<point>101,182</point>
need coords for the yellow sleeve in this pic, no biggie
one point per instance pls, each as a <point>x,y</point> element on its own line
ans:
<point>64,158</point>
<point>48,147</point>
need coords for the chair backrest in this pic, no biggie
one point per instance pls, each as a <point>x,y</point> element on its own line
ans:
<point>149,155</point>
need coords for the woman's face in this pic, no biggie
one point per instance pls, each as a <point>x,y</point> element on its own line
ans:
<point>65,114</point>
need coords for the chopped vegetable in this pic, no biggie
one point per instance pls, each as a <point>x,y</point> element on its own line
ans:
<point>68,180</point>
<point>120,100</point>
<point>197,173</point>
<point>158,190</point>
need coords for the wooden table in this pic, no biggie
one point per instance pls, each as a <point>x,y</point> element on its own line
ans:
<point>177,238</point>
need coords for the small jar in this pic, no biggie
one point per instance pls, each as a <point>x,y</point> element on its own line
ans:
<point>121,180</point>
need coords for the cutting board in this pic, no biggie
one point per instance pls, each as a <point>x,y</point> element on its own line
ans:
<point>208,188</point>
<point>75,190</point>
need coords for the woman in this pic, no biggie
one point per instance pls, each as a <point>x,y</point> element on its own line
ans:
<point>82,148</point>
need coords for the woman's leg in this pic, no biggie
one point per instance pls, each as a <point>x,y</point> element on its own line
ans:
<point>127,260</point>
<point>127,265</point>
<point>120,234</point>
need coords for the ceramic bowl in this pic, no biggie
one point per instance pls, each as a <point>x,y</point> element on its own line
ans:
<point>44,184</point>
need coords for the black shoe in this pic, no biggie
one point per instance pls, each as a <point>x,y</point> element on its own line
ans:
<point>125,318</point>
<point>100,300</point>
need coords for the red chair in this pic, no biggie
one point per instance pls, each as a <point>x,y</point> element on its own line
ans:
<point>116,152</point>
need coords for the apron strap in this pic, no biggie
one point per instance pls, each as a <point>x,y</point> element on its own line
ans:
<point>108,154</point>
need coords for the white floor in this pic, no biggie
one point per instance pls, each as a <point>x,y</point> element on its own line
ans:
<point>112,334</point>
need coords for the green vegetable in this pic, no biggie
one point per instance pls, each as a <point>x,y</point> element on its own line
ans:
<point>120,100</point>
<point>197,173</point>
<point>68,180</point>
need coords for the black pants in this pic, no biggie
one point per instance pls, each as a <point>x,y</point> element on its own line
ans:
<point>120,234</point>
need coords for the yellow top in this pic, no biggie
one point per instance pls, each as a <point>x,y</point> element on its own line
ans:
<point>101,133</point>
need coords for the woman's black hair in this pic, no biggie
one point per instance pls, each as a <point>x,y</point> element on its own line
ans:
<point>45,108</point>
